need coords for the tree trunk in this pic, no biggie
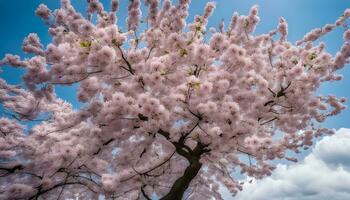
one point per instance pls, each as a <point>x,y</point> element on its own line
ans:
<point>193,156</point>
<point>181,184</point>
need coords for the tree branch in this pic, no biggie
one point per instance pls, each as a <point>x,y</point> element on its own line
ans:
<point>125,60</point>
<point>144,193</point>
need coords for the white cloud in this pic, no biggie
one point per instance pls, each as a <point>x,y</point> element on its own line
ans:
<point>322,175</point>
<point>335,150</point>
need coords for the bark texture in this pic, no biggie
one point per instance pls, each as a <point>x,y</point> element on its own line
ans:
<point>193,156</point>
<point>181,184</point>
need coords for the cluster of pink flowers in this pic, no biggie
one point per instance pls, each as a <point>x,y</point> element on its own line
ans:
<point>43,11</point>
<point>168,104</point>
<point>95,6</point>
<point>134,11</point>
<point>31,44</point>
<point>152,11</point>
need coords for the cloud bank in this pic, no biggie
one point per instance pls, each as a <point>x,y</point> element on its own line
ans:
<point>322,175</point>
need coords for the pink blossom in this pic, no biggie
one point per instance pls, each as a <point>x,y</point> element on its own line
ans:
<point>114,5</point>
<point>43,11</point>
<point>283,28</point>
<point>346,35</point>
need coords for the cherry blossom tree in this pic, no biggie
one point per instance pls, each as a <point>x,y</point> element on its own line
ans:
<point>171,110</point>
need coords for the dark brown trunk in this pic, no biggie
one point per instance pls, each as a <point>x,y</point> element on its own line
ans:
<point>181,184</point>
<point>192,156</point>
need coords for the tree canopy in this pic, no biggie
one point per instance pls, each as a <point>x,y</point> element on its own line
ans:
<point>172,110</point>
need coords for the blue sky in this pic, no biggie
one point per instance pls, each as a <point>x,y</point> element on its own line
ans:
<point>17,20</point>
